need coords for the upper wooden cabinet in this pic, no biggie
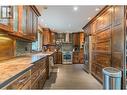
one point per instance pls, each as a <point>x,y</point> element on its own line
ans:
<point>78,39</point>
<point>46,36</point>
<point>23,24</point>
<point>49,37</point>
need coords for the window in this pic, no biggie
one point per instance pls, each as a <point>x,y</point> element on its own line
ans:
<point>37,45</point>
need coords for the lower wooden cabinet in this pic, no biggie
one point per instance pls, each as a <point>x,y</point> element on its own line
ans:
<point>27,85</point>
<point>58,57</point>
<point>20,82</point>
<point>78,57</point>
<point>34,78</point>
<point>35,85</point>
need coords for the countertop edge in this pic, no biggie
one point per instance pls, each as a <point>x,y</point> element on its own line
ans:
<point>6,82</point>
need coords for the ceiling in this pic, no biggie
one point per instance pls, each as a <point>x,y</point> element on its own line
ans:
<point>65,19</point>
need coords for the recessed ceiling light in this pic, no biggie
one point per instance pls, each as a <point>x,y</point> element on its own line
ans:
<point>75,8</point>
<point>97,9</point>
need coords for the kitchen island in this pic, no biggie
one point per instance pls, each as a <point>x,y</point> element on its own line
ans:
<point>25,72</point>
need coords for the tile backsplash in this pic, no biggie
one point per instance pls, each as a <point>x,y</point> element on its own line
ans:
<point>23,47</point>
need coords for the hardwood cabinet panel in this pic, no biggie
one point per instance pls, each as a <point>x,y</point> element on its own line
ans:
<point>104,20</point>
<point>46,36</point>
<point>76,40</point>
<point>35,86</point>
<point>59,57</point>
<point>78,58</point>
<point>20,82</point>
<point>104,60</point>
<point>27,86</point>
<point>118,15</point>
<point>32,79</point>
<point>24,23</point>
<point>117,60</point>
<point>107,39</point>
<point>93,69</point>
<point>117,39</point>
<point>34,76</point>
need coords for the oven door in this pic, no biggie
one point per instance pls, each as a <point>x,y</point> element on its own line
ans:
<point>67,58</point>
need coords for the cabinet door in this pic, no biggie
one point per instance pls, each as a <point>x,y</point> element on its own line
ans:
<point>117,39</point>
<point>59,57</point>
<point>20,82</point>
<point>27,86</point>
<point>118,15</point>
<point>76,58</point>
<point>117,46</point>
<point>35,86</point>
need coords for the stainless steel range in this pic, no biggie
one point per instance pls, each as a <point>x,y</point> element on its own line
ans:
<point>67,53</point>
<point>67,57</point>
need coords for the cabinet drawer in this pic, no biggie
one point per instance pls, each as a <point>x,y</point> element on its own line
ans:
<point>42,72</point>
<point>20,82</point>
<point>27,86</point>
<point>35,68</point>
<point>35,85</point>
<point>34,76</point>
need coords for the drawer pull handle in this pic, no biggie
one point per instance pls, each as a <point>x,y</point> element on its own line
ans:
<point>22,80</point>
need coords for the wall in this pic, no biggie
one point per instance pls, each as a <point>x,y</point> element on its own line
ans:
<point>6,47</point>
<point>23,48</point>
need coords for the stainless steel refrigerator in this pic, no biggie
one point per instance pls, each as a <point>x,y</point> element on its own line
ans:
<point>87,54</point>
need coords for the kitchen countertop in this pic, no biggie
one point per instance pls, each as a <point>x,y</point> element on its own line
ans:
<point>13,68</point>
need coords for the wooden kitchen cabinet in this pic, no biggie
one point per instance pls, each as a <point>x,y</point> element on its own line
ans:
<point>32,79</point>
<point>24,23</point>
<point>78,57</point>
<point>39,74</point>
<point>107,31</point>
<point>58,57</point>
<point>46,36</point>
<point>118,14</point>
<point>20,82</point>
<point>27,86</point>
<point>76,40</point>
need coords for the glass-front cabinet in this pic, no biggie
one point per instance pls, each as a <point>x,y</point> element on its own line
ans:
<point>5,14</point>
<point>15,18</point>
<point>24,19</point>
<point>21,21</point>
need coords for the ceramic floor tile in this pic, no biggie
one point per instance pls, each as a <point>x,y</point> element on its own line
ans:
<point>71,77</point>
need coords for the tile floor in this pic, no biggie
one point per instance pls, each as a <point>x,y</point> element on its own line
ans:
<point>71,77</point>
